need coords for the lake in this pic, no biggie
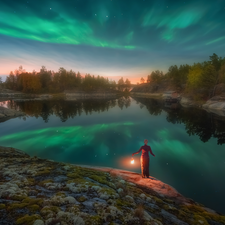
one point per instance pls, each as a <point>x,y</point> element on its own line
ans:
<point>188,142</point>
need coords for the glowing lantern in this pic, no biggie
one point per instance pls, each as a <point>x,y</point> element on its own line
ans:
<point>132,161</point>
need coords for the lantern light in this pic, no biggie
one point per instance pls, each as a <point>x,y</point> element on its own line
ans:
<point>132,161</point>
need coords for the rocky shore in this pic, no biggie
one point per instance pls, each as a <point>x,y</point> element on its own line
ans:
<point>216,105</point>
<point>67,95</point>
<point>35,191</point>
<point>149,95</point>
<point>6,114</point>
<point>83,95</point>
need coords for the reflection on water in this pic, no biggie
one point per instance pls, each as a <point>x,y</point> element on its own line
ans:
<point>196,121</point>
<point>187,142</point>
<point>67,109</point>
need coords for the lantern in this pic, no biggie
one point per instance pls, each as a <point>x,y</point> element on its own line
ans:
<point>132,161</point>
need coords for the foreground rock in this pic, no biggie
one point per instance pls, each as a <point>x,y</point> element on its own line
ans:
<point>38,191</point>
<point>6,114</point>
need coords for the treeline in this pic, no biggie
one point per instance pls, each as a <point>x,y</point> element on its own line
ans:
<point>200,77</point>
<point>53,82</point>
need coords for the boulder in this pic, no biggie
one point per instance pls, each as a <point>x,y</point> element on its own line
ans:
<point>186,101</point>
<point>4,112</point>
<point>215,105</point>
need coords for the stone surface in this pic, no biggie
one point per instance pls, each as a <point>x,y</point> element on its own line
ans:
<point>215,105</point>
<point>38,222</point>
<point>39,191</point>
<point>9,113</point>
<point>186,102</point>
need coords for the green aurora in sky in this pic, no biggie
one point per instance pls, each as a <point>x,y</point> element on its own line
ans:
<point>110,37</point>
<point>113,24</point>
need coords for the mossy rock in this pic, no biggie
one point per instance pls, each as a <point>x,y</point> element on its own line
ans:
<point>49,209</point>
<point>158,200</point>
<point>85,172</point>
<point>73,209</point>
<point>81,199</point>
<point>33,208</point>
<point>30,181</point>
<point>183,215</point>
<point>28,220</point>
<point>213,216</point>
<point>193,208</point>
<point>100,179</point>
<point>170,208</point>
<point>122,203</point>
<point>45,182</point>
<point>153,210</point>
<point>77,180</point>
<point>73,175</point>
<point>199,220</point>
<point>94,220</point>
<point>108,191</point>
<point>33,201</point>
<point>221,219</point>
<point>15,206</point>
<point>2,206</point>
<point>61,194</point>
<point>169,201</point>
<point>136,191</point>
<point>44,171</point>
<point>18,197</point>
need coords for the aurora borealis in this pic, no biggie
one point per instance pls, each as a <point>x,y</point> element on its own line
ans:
<point>110,38</point>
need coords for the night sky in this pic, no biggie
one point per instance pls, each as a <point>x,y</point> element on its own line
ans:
<point>111,38</point>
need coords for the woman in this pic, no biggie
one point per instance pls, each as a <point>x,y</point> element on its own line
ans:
<point>145,158</point>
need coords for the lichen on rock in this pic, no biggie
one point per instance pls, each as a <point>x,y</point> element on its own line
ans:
<point>37,191</point>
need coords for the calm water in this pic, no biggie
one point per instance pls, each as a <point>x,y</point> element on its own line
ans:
<point>188,143</point>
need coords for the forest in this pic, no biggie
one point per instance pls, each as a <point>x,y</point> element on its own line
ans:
<point>202,77</point>
<point>47,81</point>
<point>199,78</point>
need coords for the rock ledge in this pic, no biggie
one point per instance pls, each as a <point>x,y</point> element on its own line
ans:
<point>43,192</point>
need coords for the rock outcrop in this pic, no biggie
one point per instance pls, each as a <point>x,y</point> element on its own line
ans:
<point>186,102</point>
<point>216,105</point>
<point>39,191</point>
<point>10,93</point>
<point>6,114</point>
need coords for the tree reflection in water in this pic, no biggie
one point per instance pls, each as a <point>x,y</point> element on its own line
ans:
<point>197,121</point>
<point>67,109</point>
<point>154,106</point>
